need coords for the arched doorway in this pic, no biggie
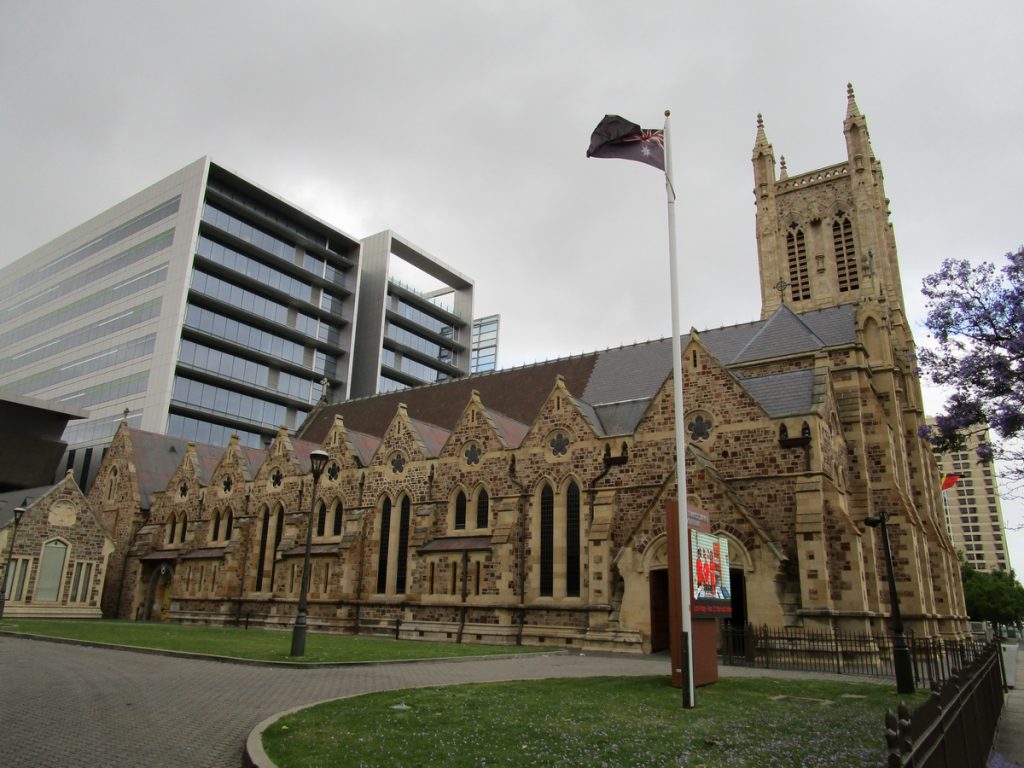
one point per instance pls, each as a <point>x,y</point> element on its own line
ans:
<point>158,593</point>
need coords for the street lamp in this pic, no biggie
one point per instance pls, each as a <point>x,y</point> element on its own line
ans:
<point>900,651</point>
<point>317,462</point>
<point>18,512</point>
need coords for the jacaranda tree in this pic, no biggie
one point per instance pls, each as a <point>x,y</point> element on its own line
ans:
<point>976,318</point>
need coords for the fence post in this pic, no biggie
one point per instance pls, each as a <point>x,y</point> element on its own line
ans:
<point>835,644</point>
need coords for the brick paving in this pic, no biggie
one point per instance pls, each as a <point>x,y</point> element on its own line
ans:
<point>68,705</point>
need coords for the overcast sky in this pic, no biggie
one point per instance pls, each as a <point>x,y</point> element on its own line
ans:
<point>463,126</point>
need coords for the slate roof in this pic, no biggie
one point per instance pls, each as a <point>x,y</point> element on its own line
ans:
<point>23,497</point>
<point>781,394</point>
<point>158,456</point>
<point>613,387</point>
<point>433,437</point>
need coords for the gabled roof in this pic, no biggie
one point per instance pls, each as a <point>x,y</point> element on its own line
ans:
<point>509,430</point>
<point>781,334</point>
<point>364,445</point>
<point>433,437</point>
<point>158,456</point>
<point>613,387</point>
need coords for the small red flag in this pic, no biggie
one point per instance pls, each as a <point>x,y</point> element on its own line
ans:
<point>948,481</point>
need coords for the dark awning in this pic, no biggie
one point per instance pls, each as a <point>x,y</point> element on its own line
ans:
<point>204,554</point>
<point>160,554</point>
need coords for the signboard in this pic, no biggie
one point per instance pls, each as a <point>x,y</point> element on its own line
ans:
<point>709,575</point>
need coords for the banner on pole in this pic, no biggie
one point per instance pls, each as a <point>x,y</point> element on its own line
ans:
<point>709,575</point>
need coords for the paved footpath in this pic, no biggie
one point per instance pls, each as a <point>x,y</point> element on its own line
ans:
<point>67,705</point>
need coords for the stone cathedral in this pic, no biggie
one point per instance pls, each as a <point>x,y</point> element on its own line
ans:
<point>528,505</point>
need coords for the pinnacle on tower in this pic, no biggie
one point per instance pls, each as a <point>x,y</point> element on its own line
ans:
<point>783,173</point>
<point>852,110</point>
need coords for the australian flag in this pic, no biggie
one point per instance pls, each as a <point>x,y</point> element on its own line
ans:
<point>617,137</point>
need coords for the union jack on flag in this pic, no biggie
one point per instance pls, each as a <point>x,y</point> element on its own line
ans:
<point>619,138</point>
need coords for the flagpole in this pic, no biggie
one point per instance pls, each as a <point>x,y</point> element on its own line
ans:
<point>689,694</point>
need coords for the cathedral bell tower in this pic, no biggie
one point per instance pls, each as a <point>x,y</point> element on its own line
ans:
<point>824,237</point>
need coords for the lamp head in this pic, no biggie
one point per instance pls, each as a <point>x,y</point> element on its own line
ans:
<point>18,512</point>
<point>317,462</point>
<point>872,522</point>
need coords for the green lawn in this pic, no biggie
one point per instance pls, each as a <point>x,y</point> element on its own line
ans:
<point>267,645</point>
<point>594,722</point>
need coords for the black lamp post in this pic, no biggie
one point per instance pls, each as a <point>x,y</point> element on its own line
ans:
<point>900,651</point>
<point>18,512</point>
<point>317,462</point>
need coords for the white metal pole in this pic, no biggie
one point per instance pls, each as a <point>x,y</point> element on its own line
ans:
<point>689,696</point>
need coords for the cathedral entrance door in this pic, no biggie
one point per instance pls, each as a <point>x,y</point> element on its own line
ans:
<point>659,610</point>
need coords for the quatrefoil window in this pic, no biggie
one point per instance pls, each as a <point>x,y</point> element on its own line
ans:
<point>276,478</point>
<point>472,454</point>
<point>397,463</point>
<point>333,471</point>
<point>183,490</point>
<point>227,485</point>
<point>559,444</point>
<point>699,427</point>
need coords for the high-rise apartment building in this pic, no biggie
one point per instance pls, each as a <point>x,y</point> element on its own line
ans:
<point>205,306</point>
<point>974,515</point>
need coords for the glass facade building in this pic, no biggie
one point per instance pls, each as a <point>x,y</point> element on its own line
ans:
<point>205,306</point>
<point>484,344</point>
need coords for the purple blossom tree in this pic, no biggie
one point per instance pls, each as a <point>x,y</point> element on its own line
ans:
<point>976,317</point>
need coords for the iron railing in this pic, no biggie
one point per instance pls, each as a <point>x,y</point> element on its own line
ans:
<point>844,653</point>
<point>955,728</point>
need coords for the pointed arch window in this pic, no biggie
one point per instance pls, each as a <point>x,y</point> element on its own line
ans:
<point>336,527</point>
<point>572,540</point>
<point>385,541</point>
<point>51,571</point>
<point>460,511</point>
<point>547,541</point>
<point>215,534</point>
<point>846,255</point>
<point>799,276</point>
<point>228,523</point>
<point>483,509</point>
<point>184,527</point>
<point>264,534</point>
<point>402,568</point>
<point>321,520</point>
<point>173,531</point>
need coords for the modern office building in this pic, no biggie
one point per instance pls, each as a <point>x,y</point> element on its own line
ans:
<point>484,344</point>
<point>974,514</point>
<point>205,306</point>
<point>409,335</point>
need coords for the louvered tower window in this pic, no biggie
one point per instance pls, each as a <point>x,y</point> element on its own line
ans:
<point>799,278</point>
<point>846,256</point>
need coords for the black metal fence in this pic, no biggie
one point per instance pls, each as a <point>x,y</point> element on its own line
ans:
<point>955,728</point>
<point>844,653</point>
